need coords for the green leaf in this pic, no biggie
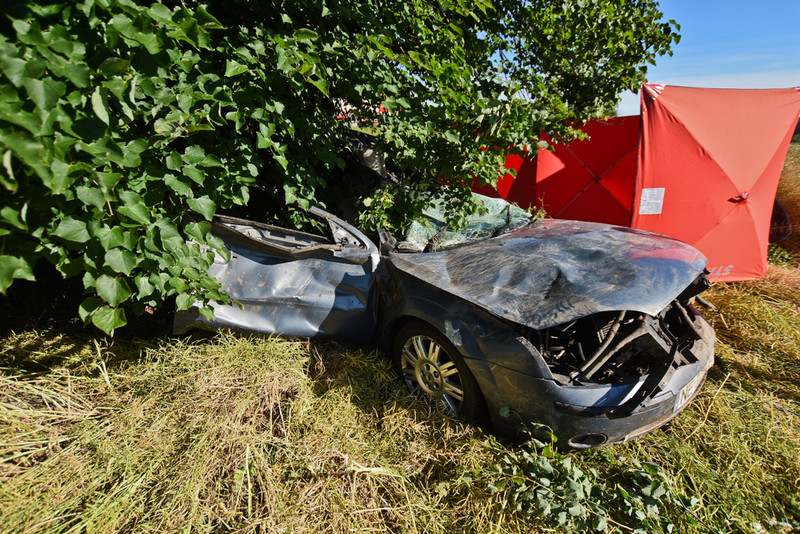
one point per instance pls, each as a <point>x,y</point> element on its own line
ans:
<point>194,154</point>
<point>211,161</point>
<point>15,218</point>
<point>179,284</point>
<point>91,195</point>
<point>174,160</point>
<point>12,268</point>
<point>207,20</point>
<point>8,180</point>
<point>88,306</point>
<point>25,147</point>
<point>44,93</point>
<point>108,319</point>
<point>150,41</point>
<point>69,266</point>
<point>203,205</point>
<point>114,65</point>
<point>177,185</point>
<point>108,180</point>
<point>198,230</point>
<point>234,68</point>
<point>121,260</point>
<point>61,176</point>
<point>13,68</point>
<point>320,84</point>
<point>109,237</point>
<point>305,34</point>
<point>184,301</point>
<point>71,229</point>
<point>77,74</point>
<point>161,13</point>
<point>13,113</point>
<point>100,106</point>
<point>134,207</point>
<point>196,175</point>
<point>144,286</point>
<point>112,290</point>
<point>167,228</point>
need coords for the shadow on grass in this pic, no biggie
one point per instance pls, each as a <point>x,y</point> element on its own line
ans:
<point>367,375</point>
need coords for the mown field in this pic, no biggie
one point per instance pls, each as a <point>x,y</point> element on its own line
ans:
<point>244,434</point>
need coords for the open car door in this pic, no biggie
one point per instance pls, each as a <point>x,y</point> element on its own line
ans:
<point>292,283</point>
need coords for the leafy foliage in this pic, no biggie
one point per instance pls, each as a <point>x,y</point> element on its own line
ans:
<point>124,127</point>
<point>537,480</point>
<point>776,255</point>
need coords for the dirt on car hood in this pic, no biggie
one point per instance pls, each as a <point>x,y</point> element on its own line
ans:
<point>552,271</point>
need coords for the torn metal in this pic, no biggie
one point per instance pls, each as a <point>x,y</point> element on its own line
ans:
<point>293,283</point>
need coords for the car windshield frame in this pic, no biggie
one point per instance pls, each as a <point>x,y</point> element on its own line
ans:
<point>431,233</point>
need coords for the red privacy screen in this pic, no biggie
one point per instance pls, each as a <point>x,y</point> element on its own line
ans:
<point>700,165</point>
<point>709,164</point>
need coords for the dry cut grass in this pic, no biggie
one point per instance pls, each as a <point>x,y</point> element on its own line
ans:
<point>234,434</point>
<point>267,435</point>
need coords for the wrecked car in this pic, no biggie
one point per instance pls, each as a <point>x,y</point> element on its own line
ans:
<point>586,328</point>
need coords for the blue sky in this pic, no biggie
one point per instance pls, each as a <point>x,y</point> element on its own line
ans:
<point>729,44</point>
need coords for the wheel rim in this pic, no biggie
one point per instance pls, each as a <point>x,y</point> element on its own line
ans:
<point>428,369</point>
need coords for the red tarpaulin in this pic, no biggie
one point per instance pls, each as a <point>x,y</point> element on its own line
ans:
<point>701,165</point>
<point>709,164</point>
<point>589,180</point>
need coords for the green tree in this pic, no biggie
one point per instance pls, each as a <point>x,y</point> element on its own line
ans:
<point>124,127</point>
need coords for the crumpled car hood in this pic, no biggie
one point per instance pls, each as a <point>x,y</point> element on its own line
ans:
<point>554,271</point>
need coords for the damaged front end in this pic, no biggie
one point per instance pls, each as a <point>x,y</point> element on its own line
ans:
<point>609,347</point>
<point>617,375</point>
<point>590,329</point>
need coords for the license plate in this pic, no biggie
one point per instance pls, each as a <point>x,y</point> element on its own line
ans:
<point>688,390</point>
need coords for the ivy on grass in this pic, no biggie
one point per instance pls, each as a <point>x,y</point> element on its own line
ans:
<point>538,481</point>
<point>124,125</point>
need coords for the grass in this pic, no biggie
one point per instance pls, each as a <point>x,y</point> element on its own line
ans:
<point>234,433</point>
<point>245,434</point>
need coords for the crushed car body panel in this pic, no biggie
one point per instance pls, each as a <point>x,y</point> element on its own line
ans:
<point>554,271</point>
<point>632,384</point>
<point>292,283</point>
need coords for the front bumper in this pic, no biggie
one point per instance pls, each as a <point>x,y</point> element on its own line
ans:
<point>589,416</point>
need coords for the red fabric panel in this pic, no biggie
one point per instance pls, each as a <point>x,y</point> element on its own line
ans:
<point>596,204</point>
<point>603,168</point>
<point>620,180</point>
<point>504,183</point>
<point>610,141</point>
<point>717,153</point>
<point>560,177</point>
<point>525,170</point>
<point>592,179</point>
<point>520,190</point>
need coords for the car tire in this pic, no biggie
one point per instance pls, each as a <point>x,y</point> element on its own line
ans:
<point>430,366</point>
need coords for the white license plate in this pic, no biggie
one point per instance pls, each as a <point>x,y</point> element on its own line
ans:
<point>688,390</point>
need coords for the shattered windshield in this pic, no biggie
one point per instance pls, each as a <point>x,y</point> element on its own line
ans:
<point>430,233</point>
